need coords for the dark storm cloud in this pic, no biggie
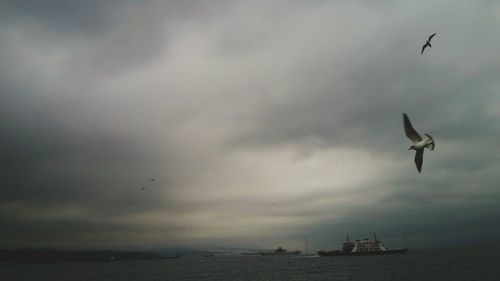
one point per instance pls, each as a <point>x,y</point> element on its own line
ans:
<point>104,36</point>
<point>47,159</point>
<point>63,16</point>
<point>52,154</point>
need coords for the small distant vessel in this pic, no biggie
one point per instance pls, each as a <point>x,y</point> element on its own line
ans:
<point>363,248</point>
<point>281,252</point>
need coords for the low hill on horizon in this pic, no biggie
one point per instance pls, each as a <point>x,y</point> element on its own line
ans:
<point>57,256</point>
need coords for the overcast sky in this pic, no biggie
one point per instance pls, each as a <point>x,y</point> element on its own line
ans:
<point>260,121</point>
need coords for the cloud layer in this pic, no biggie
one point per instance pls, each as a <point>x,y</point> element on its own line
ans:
<point>260,123</point>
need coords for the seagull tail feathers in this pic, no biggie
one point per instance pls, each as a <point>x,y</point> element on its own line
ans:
<point>431,144</point>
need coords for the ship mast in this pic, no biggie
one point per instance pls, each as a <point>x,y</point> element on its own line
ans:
<point>307,247</point>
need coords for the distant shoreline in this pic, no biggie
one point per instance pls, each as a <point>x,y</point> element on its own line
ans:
<point>36,256</point>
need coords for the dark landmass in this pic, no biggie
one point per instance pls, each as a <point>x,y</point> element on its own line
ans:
<point>32,256</point>
<point>190,252</point>
<point>183,252</point>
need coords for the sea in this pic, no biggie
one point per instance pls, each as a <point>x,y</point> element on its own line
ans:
<point>457,264</point>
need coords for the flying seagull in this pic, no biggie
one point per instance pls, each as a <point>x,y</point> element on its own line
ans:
<point>143,188</point>
<point>428,43</point>
<point>418,142</point>
<point>152,180</point>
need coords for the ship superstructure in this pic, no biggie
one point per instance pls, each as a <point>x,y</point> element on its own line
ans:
<point>363,247</point>
<point>280,252</point>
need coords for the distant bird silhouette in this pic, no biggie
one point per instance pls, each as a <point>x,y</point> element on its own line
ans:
<point>152,180</point>
<point>418,142</point>
<point>428,43</point>
<point>143,188</point>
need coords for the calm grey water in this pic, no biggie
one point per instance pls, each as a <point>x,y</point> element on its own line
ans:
<point>415,265</point>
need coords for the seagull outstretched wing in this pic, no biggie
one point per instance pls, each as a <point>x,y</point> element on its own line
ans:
<point>419,159</point>
<point>428,43</point>
<point>424,46</point>
<point>409,131</point>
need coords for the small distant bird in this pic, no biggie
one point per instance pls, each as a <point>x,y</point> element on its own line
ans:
<point>143,188</point>
<point>152,180</point>
<point>428,43</point>
<point>418,142</point>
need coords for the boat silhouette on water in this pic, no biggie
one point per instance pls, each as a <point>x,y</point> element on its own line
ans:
<point>364,247</point>
<point>280,252</point>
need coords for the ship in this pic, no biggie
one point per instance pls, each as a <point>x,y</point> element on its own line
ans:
<point>363,247</point>
<point>280,252</point>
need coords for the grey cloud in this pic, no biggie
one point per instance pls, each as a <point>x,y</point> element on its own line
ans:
<point>80,16</point>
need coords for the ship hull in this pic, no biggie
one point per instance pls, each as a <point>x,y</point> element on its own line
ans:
<point>378,253</point>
